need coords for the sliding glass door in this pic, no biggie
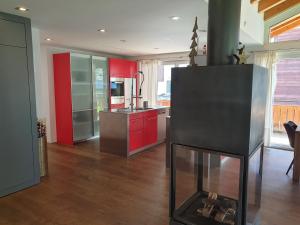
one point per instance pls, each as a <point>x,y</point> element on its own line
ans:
<point>100,89</point>
<point>82,96</point>
<point>89,94</point>
<point>286,100</point>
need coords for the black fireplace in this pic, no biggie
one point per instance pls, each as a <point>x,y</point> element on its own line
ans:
<point>209,188</point>
<point>217,134</point>
<point>217,144</point>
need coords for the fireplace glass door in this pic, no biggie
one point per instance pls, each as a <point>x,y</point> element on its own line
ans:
<point>207,187</point>
<point>214,188</point>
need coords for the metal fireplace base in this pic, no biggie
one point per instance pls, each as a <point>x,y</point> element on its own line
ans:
<point>174,222</point>
<point>188,211</point>
<point>195,192</point>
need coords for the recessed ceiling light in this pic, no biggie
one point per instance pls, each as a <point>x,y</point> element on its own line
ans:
<point>48,39</point>
<point>21,8</point>
<point>175,18</point>
<point>156,48</point>
<point>123,41</point>
<point>102,30</point>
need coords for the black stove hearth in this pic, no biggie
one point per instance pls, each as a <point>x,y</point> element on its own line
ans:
<point>217,144</point>
<point>217,133</point>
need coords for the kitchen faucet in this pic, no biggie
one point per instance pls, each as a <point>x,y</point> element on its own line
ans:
<point>140,89</point>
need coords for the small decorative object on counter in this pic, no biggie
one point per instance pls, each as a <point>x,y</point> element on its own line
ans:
<point>194,45</point>
<point>42,142</point>
<point>241,57</point>
<point>145,105</point>
<point>41,129</point>
<point>204,50</point>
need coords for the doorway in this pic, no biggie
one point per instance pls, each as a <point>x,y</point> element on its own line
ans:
<point>164,83</point>
<point>286,99</point>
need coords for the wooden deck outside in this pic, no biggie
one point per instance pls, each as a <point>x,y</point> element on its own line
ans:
<point>164,103</point>
<point>281,114</point>
<point>284,113</point>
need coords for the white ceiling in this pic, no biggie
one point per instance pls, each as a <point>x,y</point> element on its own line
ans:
<point>144,24</point>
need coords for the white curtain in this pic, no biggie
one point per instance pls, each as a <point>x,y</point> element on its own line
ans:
<point>152,70</point>
<point>268,60</point>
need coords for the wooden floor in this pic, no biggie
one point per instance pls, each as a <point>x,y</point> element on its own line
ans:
<point>86,187</point>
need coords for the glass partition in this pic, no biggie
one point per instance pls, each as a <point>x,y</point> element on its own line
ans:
<point>214,188</point>
<point>82,125</point>
<point>208,187</point>
<point>89,94</point>
<point>81,82</point>
<point>100,89</point>
<point>254,187</point>
<point>82,96</point>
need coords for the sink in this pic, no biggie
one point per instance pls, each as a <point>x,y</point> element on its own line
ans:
<point>129,110</point>
<point>142,109</point>
<point>124,110</point>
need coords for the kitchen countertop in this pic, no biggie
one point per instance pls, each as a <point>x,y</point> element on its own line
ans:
<point>127,132</point>
<point>129,111</point>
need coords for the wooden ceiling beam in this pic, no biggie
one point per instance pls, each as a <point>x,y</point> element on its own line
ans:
<point>265,5</point>
<point>285,26</point>
<point>280,8</point>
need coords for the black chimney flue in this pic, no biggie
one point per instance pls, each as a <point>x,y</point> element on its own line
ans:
<point>223,30</point>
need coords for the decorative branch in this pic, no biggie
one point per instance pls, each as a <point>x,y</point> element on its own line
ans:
<point>194,44</point>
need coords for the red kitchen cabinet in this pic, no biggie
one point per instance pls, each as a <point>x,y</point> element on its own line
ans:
<point>79,95</point>
<point>136,124</point>
<point>142,129</point>
<point>150,127</point>
<point>136,131</point>
<point>136,140</point>
<point>122,68</point>
<point>63,98</point>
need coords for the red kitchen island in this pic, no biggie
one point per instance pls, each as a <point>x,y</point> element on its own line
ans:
<point>127,132</point>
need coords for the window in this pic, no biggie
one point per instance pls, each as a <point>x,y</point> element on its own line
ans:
<point>288,30</point>
<point>164,83</point>
<point>288,82</point>
<point>291,35</point>
<point>286,99</point>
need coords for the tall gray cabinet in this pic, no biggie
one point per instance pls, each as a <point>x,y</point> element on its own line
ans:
<point>18,136</point>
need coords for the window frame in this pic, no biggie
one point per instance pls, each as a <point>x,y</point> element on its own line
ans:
<point>176,63</point>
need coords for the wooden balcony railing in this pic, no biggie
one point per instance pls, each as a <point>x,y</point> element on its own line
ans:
<point>164,103</point>
<point>281,114</point>
<point>284,113</point>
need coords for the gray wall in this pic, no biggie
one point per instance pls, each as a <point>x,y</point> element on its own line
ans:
<point>18,134</point>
